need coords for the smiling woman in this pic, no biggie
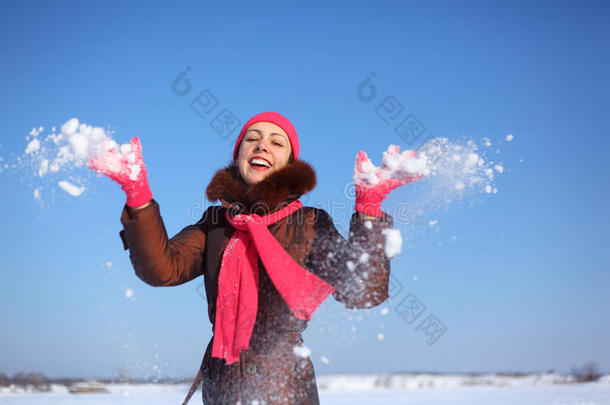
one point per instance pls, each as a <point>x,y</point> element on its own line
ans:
<point>264,149</point>
<point>268,262</point>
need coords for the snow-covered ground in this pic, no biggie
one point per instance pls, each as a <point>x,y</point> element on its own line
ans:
<point>421,389</point>
<point>585,394</point>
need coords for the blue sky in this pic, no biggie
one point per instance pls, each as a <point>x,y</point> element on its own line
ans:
<point>519,279</point>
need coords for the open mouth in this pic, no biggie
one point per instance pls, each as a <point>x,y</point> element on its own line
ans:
<point>260,164</point>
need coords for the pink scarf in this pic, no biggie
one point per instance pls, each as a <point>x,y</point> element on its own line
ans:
<point>237,301</point>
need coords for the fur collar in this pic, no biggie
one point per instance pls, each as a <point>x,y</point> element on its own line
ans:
<point>282,186</point>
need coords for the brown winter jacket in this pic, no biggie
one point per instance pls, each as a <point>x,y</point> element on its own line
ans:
<point>269,371</point>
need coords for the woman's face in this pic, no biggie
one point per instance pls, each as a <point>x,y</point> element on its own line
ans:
<point>264,149</point>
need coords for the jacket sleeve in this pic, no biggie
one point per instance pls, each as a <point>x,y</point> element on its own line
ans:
<point>358,269</point>
<point>157,260</point>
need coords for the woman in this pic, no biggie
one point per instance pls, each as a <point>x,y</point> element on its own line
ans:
<point>267,261</point>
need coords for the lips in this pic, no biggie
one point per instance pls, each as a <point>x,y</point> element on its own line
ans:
<point>259,163</point>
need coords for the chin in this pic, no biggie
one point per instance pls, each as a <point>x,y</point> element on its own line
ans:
<point>251,176</point>
<point>252,179</point>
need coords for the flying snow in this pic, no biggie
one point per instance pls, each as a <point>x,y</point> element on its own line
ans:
<point>59,152</point>
<point>393,242</point>
<point>69,188</point>
<point>302,351</point>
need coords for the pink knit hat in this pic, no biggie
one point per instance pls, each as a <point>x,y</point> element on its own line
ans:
<point>274,118</point>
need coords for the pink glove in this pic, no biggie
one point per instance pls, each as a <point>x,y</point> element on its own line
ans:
<point>128,170</point>
<point>374,183</point>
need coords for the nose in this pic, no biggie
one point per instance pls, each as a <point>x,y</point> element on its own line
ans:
<point>261,145</point>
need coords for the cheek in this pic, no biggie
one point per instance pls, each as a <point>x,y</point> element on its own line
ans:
<point>242,162</point>
<point>284,156</point>
<point>243,150</point>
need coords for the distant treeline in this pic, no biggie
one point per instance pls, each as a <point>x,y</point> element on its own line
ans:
<point>37,380</point>
<point>41,382</point>
<point>585,373</point>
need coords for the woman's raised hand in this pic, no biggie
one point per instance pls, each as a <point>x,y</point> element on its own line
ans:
<point>127,168</point>
<point>374,183</point>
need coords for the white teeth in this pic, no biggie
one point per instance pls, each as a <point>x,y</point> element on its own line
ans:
<point>260,162</point>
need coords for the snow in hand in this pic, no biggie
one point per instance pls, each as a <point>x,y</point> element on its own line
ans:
<point>394,165</point>
<point>451,170</point>
<point>72,146</point>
